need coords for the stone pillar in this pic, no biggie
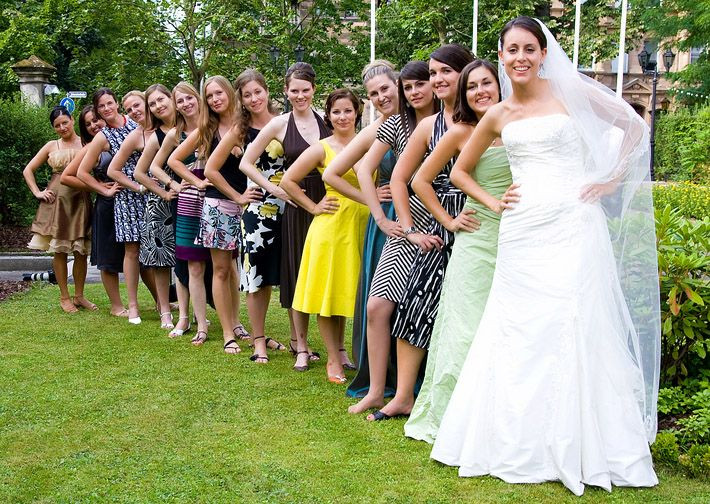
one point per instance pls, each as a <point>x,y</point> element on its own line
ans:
<point>33,74</point>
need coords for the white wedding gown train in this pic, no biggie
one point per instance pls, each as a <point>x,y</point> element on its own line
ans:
<point>549,389</point>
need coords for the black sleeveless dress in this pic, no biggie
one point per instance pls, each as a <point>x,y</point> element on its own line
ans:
<point>295,222</point>
<point>106,252</point>
<point>157,248</point>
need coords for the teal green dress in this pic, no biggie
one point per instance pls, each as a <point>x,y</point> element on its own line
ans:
<point>463,297</point>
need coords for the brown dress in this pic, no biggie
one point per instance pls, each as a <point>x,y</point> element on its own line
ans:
<point>295,222</point>
<point>63,226</point>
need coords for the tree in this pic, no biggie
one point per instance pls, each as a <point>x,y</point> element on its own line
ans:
<point>684,25</point>
<point>429,24</point>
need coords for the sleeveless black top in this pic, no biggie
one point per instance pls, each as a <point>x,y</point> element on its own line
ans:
<point>231,173</point>
<point>294,144</point>
<point>160,135</point>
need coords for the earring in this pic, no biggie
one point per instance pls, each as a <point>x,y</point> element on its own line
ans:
<point>541,70</point>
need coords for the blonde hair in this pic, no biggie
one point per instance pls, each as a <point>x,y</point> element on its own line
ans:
<point>209,120</point>
<point>180,122</point>
<point>379,67</point>
<point>154,122</point>
<point>135,92</point>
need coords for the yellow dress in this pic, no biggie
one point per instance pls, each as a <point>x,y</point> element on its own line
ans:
<point>330,265</point>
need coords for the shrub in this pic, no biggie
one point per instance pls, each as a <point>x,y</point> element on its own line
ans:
<point>24,129</point>
<point>683,145</point>
<point>696,462</point>
<point>665,448</point>
<point>691,200</point>
<point>683,260</point>
<point>696,427</point>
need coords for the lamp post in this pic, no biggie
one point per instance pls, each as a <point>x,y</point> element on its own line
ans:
<point>275,54</point>
<point>650,67</point>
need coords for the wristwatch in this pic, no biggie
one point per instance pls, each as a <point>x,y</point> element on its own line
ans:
<point>410,230</point>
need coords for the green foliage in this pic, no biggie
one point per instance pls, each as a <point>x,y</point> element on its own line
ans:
<point>411,29</point>
<point>683,145</point>
<point>665,448</point>
<point>682,25</point>
<point>683,261</point>
<point>690,200</point>
<point>24,129</point>
<point>696,463</point>
<point>696,427</point>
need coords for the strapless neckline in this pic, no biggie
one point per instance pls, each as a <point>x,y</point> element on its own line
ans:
<point>546,116</point>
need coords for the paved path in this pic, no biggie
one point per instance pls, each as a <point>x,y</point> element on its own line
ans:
<point>12,267</point>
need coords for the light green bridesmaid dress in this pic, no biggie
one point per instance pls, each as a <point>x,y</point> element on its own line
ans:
<point>463,297</point>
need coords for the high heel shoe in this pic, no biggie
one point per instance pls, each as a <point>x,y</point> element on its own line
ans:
<point>179,332</point>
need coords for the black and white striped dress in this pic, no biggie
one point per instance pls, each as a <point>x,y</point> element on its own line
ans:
<point>398,254</point>
<point>416,311</point>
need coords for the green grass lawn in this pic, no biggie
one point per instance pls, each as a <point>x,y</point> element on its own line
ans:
<point>95,410</point>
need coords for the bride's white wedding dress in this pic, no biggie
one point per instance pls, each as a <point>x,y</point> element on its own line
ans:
<point>549,389</point>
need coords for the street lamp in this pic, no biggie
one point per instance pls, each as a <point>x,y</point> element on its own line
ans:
<point>650,67</point>
<point>275,54</point>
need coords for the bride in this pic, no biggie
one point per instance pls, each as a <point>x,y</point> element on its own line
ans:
<point>560,382</point>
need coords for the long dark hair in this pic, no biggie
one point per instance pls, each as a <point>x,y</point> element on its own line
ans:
<point>462,110</point>
<point>453,55</point>
<point>528,24</point>
<point>414,70</point>
<point>86,137</point>
<point>244,78</point>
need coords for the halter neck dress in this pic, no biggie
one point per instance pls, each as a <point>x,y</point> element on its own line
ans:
<point>295,222</point>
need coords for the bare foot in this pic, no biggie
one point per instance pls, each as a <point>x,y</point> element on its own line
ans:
<point>68,305</point>
<point>82,302</point>
<point>396,407</point>
<point>366,403</point>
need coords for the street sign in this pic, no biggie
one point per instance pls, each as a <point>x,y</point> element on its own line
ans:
<point>68,104</point>
<point>76,94</point>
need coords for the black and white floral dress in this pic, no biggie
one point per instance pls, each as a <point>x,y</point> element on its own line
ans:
<point>129,206</point>
<point>261,224</point>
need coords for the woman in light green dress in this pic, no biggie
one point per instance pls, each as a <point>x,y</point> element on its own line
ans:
<point>468,277</point>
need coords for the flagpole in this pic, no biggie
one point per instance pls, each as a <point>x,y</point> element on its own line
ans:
<point>577,23</point>
<point>474,31</point>
<point>622,50</point>
<point>373,8</point>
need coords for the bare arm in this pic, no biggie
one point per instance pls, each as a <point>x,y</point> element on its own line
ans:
<point>448,146</point>
<point>183,151</point>
<point>483,135</point>
<point>312,157</point>
<point>274,130</point>
<point>214,166</point>
<point>141,174</point>
<point>406,165</point>
<point>98,145</point>
<point>29,174</point>
<point>348,158</point>
<point>132,143</point>
<point>69,177</point>
<point>161,158</point>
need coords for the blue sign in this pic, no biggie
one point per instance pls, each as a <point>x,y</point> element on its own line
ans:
<point>68,103</point>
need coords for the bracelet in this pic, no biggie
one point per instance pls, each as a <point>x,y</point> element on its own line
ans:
<point>141,189</point>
